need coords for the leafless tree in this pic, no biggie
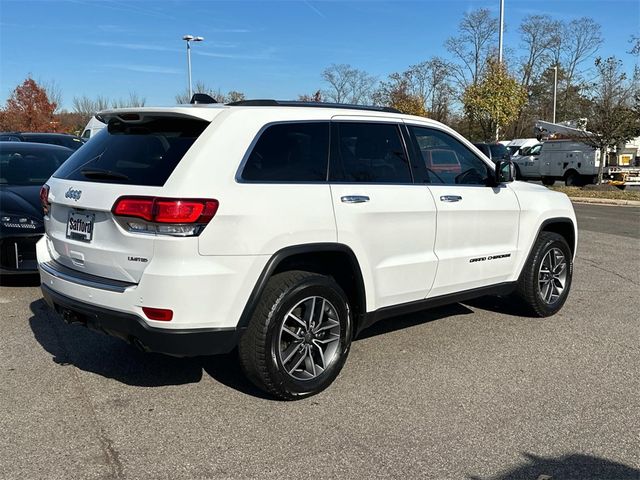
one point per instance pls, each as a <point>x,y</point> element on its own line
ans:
<point>541,36</point>
<point>473,46</point>
<point>313,97</point>
<point>88,107</point>
<point>348,84</point>
<point>431,81</point>
<point>54,92</point>
<point>134,100</point>
<point>217,95</point>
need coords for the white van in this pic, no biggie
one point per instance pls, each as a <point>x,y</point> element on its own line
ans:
<point>93,127</point>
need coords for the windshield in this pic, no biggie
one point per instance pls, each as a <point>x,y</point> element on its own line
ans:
<point>133,153</point>
<point>26,166</point>
<point>535,150</point>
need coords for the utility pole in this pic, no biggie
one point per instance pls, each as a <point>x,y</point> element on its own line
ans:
<point>555,90</point>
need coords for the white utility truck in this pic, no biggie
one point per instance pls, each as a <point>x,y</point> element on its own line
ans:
<point>564,157</point>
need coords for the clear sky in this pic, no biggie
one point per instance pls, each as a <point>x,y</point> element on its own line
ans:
<point>267,49</point>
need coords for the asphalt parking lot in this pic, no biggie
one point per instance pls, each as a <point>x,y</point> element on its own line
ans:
<point>469,391</point>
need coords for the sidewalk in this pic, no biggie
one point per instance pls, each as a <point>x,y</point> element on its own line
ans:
<point>606,201</point>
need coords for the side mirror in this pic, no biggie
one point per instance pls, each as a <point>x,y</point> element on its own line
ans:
<point>505,172</point>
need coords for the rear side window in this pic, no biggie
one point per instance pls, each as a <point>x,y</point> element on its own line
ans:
<point>133,153</point>
<point>368,153</point>
<point>290,152</point>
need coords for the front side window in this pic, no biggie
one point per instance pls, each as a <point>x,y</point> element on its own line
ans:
<point>290,152</point>
<point>368,153</point>
<point>446,160</point>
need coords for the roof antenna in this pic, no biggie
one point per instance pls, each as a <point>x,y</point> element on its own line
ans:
<point>202,98</point>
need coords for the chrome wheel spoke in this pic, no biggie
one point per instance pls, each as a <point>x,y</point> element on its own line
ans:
<point>290,352</point>
<point>321,354</point>
<point>297,320</point>
<point>292,333</point>
<point>303,355</point>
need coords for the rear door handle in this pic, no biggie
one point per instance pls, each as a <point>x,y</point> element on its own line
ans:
<point>354,199</point>
<point>450,198</point>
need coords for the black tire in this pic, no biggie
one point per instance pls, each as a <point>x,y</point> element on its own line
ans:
<point>528,290</point>
<point>259,347</point>
<point>548,181</point>
<point>572,179</point>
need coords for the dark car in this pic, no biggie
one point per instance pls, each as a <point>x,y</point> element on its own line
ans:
<point>24,168</point>
<point>63,139</point>
<point>494,151</point>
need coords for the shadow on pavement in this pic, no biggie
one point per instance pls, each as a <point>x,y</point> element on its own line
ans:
<point>392,324</point>
<point>569,467</point>
<point>107,356</point>
<point>504,305</point>
<point>22,280</point>
<point>113,358</point>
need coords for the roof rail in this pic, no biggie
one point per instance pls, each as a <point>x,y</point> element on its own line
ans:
<point>202,98</point>
<point>295,103</point>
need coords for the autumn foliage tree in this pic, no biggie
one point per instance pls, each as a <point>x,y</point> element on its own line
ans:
<point>28,109</point>
<point>495,100</point>
<point>396,93</point>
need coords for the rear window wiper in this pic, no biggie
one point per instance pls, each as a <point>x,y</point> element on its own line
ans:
<point>98,174</point>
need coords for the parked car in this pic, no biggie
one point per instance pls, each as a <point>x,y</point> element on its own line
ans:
<point>284,229</point>
<point>64,140</point>
<point>24,167</point>
<point>494,151</point>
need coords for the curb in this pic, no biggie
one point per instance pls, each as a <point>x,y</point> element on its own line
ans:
<point>606,201</point>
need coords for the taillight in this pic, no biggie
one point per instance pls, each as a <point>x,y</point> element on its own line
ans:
<point>161,314</point>
<point>169,216</point>
<point>44,198</point>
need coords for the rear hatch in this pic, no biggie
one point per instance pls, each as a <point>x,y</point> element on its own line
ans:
<point>134,156</point>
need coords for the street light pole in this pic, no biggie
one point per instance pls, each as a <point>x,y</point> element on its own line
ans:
<point>500,52</point>
<point>501,31</point>
<point>189,39</point>
<point>555,90</point>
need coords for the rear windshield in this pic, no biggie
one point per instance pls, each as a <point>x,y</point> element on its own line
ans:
<point>26,166</point>
<point>498,150</point>
<point>133,153</point>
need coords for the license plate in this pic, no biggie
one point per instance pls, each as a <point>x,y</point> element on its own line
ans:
<point>80,226</point>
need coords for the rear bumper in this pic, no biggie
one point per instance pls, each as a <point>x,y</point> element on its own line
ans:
<point>134,330</point>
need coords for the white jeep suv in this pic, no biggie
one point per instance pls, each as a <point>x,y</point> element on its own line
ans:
<point>284,229</point>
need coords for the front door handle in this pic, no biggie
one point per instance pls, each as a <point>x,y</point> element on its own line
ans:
<point>354,199</point>
<point>450,198</point>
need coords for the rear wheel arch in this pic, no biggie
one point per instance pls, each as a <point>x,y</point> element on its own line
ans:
<point>332,259</point>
